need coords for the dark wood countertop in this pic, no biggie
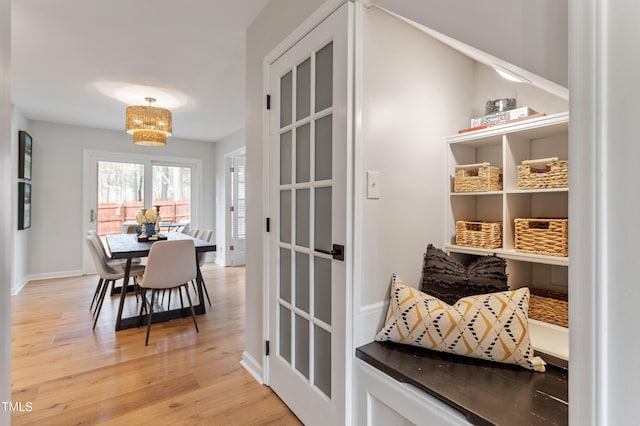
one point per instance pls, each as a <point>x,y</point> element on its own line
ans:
<point>486,393</point>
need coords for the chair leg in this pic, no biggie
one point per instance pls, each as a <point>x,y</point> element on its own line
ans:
<point>105,285</point>
<point>169,304</point>
<point>193,312</point>
<point>143,305</point>
<point>206,293</point>
<point>153,293</point>
<point>180,293</point>
<point>95,293</point>
<point>204,287</point>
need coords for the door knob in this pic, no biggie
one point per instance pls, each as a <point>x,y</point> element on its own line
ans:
<point>337,252</point>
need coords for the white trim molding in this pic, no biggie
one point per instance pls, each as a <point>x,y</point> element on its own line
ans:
<point>252,366</point>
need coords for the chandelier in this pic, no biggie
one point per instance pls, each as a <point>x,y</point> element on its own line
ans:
<point>149,125</point>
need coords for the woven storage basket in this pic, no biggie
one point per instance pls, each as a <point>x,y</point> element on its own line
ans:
<point>479,234</point>
<point>549,306</point>
<point>478,177</point>
<point>543,173</point>
<point>542,236</point>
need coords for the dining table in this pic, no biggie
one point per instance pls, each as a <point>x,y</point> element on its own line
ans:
<point>128,246</point>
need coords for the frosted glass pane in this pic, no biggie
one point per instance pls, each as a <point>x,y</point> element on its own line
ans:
<point>322,289</point>
<point>322,228</point>
<point>285,274</point>
<point>285,158</point>
<point>285,216</point>
<point>286,99</point>
<point>303,151</point>
<point>302,346</point>
<point>284,347</point>
<point>303,211</point>
<point>322,360</point>
<point>303,89</point>
<point>302,281</point>
<point>324,77</point>
<point>323,147</point>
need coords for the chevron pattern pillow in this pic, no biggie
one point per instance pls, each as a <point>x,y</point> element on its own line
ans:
<point>491,326</point>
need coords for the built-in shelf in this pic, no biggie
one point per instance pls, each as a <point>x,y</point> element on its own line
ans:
<point>506,146</point>
<point>509,254</point>
<point>534,128</point>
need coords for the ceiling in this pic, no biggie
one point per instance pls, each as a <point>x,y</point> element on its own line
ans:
<point>70,56</point>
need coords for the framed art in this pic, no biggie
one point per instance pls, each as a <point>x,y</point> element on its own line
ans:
<point>24,205</point>
<point>24,157</point>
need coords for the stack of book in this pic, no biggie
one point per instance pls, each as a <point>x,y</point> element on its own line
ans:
<point>502,117</point>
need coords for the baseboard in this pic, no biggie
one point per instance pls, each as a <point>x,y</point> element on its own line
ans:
<point>252,366</point>
<point>45,276</point>
<point>370,319</point>
<point>20,285</point>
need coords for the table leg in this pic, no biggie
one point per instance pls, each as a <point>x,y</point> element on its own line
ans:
<point>123,294</point>
<point>200,282</point>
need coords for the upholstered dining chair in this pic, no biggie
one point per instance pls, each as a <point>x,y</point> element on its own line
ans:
<point>111,262</point>
<point>171,264</point>
<point>108,273</point>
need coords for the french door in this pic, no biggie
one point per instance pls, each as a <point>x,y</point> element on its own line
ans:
<point>308,208</point>
<point>117,185</point>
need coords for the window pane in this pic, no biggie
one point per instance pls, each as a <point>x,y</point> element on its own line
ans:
<point>286,93</point>
<point>303,89</point>
<point>172,193</point>
<point>120,195</point>
<point>324,77</point>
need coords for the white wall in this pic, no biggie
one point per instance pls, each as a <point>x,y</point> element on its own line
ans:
<point>6,200</point>
<point>413,89</point>
<point>221,148</point>
<point>530,34</point>
<point>21,238</point>
<point>57,209</point>
<point>271,26</point>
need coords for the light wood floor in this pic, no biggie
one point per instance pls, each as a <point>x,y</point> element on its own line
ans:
<point>73,375</point>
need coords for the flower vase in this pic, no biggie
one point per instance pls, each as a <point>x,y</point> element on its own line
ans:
<point>150,229</point>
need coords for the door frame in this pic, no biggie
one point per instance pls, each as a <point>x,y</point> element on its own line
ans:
<point>322,13</point>
<point>228,158</point>
<point>90,181</point>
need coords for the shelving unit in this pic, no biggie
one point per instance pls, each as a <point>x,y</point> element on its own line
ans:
<point>506,146</point>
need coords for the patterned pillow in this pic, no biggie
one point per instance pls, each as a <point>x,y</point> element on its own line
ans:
<point>449,280</point>
<point>488,326</point>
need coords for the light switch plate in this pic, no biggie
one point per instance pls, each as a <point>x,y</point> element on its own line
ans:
<point>373,185</point>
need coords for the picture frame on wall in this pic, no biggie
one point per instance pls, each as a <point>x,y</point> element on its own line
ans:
<point>24,205</point>
<point>25,155</point>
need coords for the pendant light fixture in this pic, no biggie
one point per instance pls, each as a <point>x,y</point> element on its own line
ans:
<point>149,125</point>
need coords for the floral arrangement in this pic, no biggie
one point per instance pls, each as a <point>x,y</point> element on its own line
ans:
<point>146,216</point>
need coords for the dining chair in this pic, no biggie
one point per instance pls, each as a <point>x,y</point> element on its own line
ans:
<point>171,264</point>
<point>108,273</point>
<point>111,262</point>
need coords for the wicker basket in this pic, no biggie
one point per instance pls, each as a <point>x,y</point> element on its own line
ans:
<point>549,306</point>
<point>479,234</point>
<point>542,236</point>
<point>478,177</point>
<point>553,174</point>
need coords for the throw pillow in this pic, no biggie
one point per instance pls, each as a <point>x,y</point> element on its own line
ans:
<point>487,326</point>
<point>450,280</point>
